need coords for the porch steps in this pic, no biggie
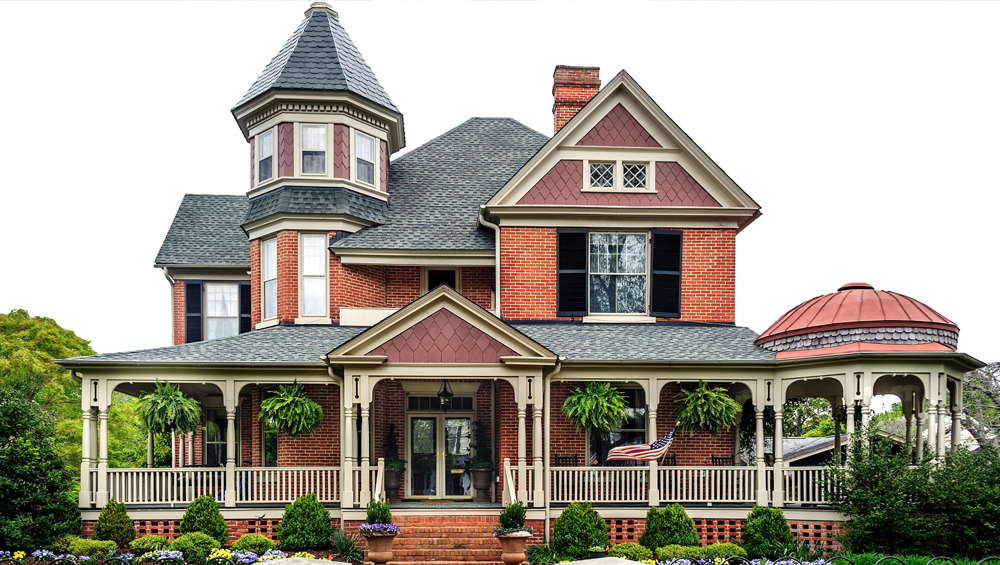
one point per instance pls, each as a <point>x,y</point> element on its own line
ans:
<point>446,540</point>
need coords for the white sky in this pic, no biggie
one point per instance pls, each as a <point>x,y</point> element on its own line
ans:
<point>866,131</point>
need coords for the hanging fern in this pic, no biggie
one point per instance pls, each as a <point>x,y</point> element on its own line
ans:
<point>706,410</point>
<point>290,410</point>
<point>166,409</point>
<point>599,407</point>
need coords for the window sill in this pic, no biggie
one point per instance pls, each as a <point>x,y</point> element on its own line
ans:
<point>266,324</point>
<point>317,320</point>
<point>619,319</point>
<point>620,190</point>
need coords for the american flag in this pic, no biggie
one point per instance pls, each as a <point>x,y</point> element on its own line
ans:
<point>643,452</point>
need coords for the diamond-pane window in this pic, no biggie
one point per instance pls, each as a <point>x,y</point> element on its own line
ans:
<point>634,176</point>
<point>602,175</point>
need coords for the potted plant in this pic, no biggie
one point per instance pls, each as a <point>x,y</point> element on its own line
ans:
<point>291,410</point>
<point>166,409</point>
<point>394,466</point>
<point>706,409</point>
<point>598,551</point>
<point>512,533</point>
<point>480,466</point>
<point>598,407</point>
<point>379,531</point>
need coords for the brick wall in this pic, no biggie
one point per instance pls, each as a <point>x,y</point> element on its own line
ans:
<point>696,449</point>
<point>477,283</point>
<point>528,274</point>
<point>321,448</point>
<point>180,320</point>
<point>246,421</point>
<point>402,285</point>
<point>288,276</point>
<point>255,312</point>
<point>572,88</point>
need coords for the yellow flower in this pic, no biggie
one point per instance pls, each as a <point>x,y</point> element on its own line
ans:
<point>18,555</point>
<point>221,553</point>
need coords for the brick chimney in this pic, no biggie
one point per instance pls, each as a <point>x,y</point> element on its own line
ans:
<point>572,88</point>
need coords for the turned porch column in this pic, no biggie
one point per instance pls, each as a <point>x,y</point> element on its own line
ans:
<point>920,437</point>
<point>940,430</point>
<point>538,482</point>
<point>761,469</point>
<point>347,480</point>
<point>150,446</point>
<point>522,492</point>
<point>85,486</point>
<point>102,465</point>
<point>654,488</point>
<point>230,457</point>
<point>956,417</point>
<point>366,491</point>
<point>932,429</point>
<point>779,449</point>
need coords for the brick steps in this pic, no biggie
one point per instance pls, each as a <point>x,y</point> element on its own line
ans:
<point>446,540</point>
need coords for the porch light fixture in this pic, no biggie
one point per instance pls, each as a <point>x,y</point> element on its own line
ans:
<point>445,394</point>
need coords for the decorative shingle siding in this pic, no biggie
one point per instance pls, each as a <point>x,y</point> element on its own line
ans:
<point>897,335</point>
<point>253,162</point>
<point>443,337</point>
<point>383,166</point>
<point>619,129</point>
<point>341,151</point>
<point>679,188</point>
<point>286,150</point>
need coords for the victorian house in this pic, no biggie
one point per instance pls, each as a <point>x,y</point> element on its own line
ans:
<point>484,277</point>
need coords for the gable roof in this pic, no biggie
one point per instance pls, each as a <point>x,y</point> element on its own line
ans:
<point>437,188</point>
<point>320,56</point>
<point>206,231</point>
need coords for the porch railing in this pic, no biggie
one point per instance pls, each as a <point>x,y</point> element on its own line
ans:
<point>285,484</point>
<point>165,486</point>
<point>804,485</point>
<point>599,484</point>
<point>708,484</point>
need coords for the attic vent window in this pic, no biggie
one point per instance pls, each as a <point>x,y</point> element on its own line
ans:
<point>602,175</point>
<point>634,176</point>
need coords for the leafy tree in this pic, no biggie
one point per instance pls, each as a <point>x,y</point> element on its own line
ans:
<point>802,415</point>
<point>965,497</point>
<point>981,404</point>
<point>38,497</point>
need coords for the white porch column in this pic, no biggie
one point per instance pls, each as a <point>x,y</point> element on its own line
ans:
<point>932,429</point>
<point>366,491</point>
<point>849,425</point>
<point>102,465</point>
<point>94,448</point>
<point>230,457</point>
<point>522,448</point>
<point>85,486</point>
<point>956,417</point>
<point>654,483</point>
<point>190,447</point>
<point>547,462</point>
<point>347,499</point>
<point>779,476</point>
<point>180,449</point>
<point>149,450</point>
<point>920,437</point>
<point>761,470</point>
<point>538,482</point>
<point>940,430</point>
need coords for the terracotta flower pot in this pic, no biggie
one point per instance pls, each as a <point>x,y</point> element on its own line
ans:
<point>379,550</point>
<point>482,480</point>
<point>512,547</point>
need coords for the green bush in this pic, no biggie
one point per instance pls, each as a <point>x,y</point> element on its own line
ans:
<point>577,529</point>
<point>306,525</point>
<point>195,546</point>
<point>203,515</point>
<point>965,494</point>
<point>724,551</point>
<point>378,511</point>
<point>61,545</point>
<point>673,551</point>
<point>89,547</point>
<point>513,515</point>
<point>256,543</point>
<point>149,543</point>
<point>670,526</point>
<point>631,551</point>
<point>765,531</point>
<point>115,524</point>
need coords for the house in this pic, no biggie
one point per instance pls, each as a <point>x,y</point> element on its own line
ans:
<point>483,277</point>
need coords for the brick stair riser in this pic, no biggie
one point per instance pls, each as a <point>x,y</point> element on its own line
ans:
<point>446,540</point>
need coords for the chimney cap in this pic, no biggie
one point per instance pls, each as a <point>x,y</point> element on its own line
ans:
<point>319,6</point>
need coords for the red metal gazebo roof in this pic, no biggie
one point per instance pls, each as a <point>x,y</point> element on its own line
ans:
<point>855,305</point>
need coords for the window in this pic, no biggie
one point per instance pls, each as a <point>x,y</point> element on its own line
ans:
<point>222,311</point>
<point>265,156</point>
<point>314,275</point>
<point>216,427</point>
<point>314,150</point>
<point>269,277</point>
<point>634,175</point>
<point>618,175</point>
<point>365,153</point>
<point>631,432</point>
<point>602,175</point>
<point>270,437</point>
<point>617,273</point>
<point>432,278</point>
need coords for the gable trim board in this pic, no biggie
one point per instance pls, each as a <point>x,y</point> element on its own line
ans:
<point>624,217</point>
<point>416,257</point>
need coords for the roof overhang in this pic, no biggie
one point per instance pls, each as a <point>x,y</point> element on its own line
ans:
<point>623,217</point>
<point>417,257</point>
<point>274,223</point>
<point>235,272</point>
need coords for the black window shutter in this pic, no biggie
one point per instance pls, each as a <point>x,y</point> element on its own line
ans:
<point>571,276</point>
<point>665,286</point>
<point>245,307</point>
<point>192,311</point>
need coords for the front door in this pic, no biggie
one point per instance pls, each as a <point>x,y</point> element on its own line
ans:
<point>439,449</point>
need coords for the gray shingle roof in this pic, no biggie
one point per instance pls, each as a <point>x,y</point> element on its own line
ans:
<point>647,342</point>
<point>277,344</point>
<point>320,56</point>
<point>300,200</point>
<point>206,231</point>
<point>437,188</point>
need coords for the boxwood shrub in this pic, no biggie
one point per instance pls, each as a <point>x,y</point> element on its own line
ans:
<point>765,531</point>
<point>306,525</point>
<point>577,529</point>
<point>203,515</point>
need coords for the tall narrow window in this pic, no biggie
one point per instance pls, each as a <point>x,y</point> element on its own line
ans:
<point>617,273</point>
<point>265,150</point>
<point>313,275</point>
<point>269,277</point>
<point>365,153</point>
<point>222,309</point>
<point>314,150</point>
<point>216,426</point>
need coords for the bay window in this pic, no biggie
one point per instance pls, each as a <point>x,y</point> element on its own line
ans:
<point>314,275</point>
<point>314,149</point>
<point>269,277</point>
<point>364,152</point>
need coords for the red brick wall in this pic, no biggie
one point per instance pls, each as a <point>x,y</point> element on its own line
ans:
<point>286,150</point>
<point>528,274</point>
<point>288,276</point>
<point>180,326</point>
<point>255,312</point>
<point>321,448</point>
<point>563,437</point>
<point>402,285</point>
<point>696,449</point>
<point>476,284</point>
<point>246,416</point>
<point>572,88</point>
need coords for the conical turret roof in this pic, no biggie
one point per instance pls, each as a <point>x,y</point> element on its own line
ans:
<point>320,56</point>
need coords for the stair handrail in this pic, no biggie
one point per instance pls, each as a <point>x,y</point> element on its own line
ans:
<point>379,490</point>
<point>509,492</point>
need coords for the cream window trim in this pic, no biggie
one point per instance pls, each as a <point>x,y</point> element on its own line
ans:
<point>314,317</point>
<point>423,278</point>
<point>618,317</point>
<point>266,323</point>
<point>263,281</point>
<point>273,131</point>
<point>300,148</point>
<point>619,176</point>
<point>376,155</point>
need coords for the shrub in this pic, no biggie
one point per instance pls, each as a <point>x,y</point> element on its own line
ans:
<point>965,494</point>
<point>513,515</point>
<point>255,543</point>
<point>347,545</point>
<point>149,543</point>
<point>578,529</point>
<point>631,551</point>
<point>195,546</point>
<point>89,547</point>
<point>306,525</point>
<point>670,526</point>
<point>114,524</point>
<point>668,552</point>
<point>378,511</point>
<point>203,515</point>
<point>724,551</point>
<point>540,554</point>
<point>765,531</point>
<point>61,545</point>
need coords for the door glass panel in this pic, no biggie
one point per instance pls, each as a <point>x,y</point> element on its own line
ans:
<point>457,437</point>
<point>423,464</point>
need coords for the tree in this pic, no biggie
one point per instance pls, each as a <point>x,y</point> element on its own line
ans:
<point>981,404</point>
<point>803,415</point>
<point>38,497</point>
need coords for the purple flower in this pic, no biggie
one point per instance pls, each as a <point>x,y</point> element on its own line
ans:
<point>501,531</point>
<point>378,529</point>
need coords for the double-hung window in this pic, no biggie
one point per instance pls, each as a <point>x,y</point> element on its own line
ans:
<point>222,309</point>
<point>364,151</point>
<point>617,273</point>
<point>314,149</point>
<point>215,309</point>
<point>314,275</point>
<point>269,277</point>
<point>265,156</point>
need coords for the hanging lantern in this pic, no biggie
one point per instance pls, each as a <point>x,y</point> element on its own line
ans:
<point>445,394</point>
